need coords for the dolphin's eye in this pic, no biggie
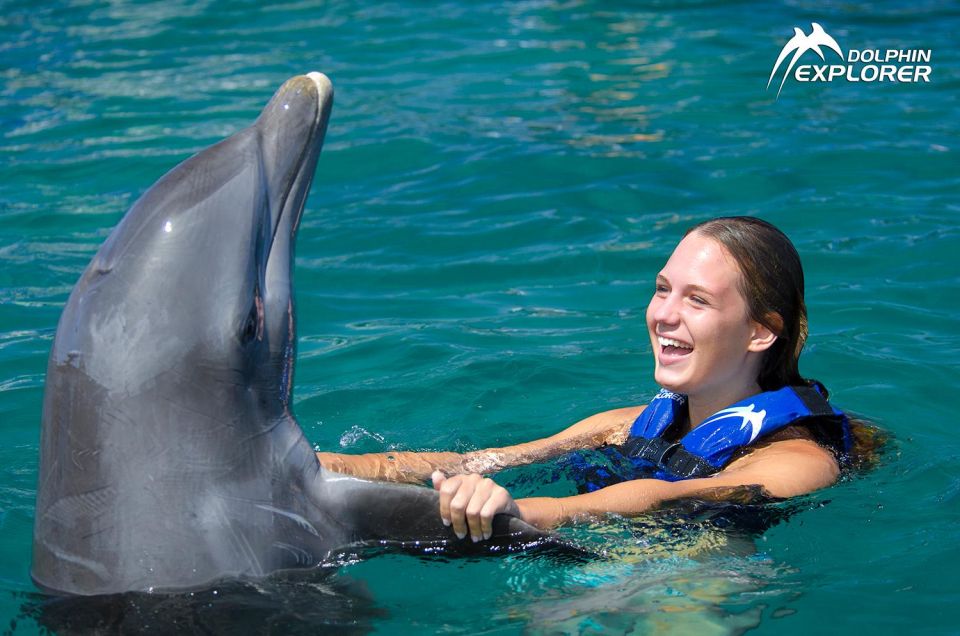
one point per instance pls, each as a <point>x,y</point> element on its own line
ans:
<point>249,330</point>
<point>253,325</point>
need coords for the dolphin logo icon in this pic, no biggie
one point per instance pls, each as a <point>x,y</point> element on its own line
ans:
<point>747,415</point>
<point>800,44</point>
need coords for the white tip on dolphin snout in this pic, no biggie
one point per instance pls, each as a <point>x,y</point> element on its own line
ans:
<point>323,83</point>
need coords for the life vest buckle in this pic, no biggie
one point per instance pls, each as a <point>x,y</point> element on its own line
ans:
<point>667,453</point>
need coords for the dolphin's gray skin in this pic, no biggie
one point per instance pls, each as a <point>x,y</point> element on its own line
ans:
<point>170,458</point>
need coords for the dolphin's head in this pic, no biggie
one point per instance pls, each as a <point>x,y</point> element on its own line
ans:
<point>196,278</point>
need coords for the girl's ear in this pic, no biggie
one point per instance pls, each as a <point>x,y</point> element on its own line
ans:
<point>763,336</point>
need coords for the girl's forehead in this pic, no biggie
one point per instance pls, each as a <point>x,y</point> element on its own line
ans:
<point>702,261</point>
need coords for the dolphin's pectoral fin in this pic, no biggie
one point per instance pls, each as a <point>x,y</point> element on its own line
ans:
<point>510,535</point>
<point>407,518</point>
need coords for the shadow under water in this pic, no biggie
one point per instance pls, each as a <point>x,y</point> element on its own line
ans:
<point>693,567</point>
<point>690,567</point>
<point>326,605</point>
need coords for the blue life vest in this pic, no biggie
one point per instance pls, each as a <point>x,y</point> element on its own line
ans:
<point>710,446</point>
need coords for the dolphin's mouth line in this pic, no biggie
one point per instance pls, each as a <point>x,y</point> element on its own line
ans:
<point>288,187</point>
<point>276,271</point>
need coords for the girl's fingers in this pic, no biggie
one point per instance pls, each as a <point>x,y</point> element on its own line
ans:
<point>469,503</point>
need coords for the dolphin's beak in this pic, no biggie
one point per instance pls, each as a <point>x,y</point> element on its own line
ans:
<point>322,89</point>
<point>292,128</point>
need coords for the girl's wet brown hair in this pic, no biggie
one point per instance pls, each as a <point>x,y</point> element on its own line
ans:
<point>771,282</point>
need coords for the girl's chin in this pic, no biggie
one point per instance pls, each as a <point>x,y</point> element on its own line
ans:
<point>670,381</point>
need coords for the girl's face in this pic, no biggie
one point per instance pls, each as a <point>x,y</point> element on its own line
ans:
<point>704,341</point>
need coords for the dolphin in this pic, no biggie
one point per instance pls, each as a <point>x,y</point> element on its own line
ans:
<point>170,457</point>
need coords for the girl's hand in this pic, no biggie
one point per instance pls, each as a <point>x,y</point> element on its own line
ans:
<point>469,503</point>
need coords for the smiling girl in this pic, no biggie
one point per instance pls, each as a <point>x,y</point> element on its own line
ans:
<point>727,323</point>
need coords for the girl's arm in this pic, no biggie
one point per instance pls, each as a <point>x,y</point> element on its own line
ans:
<point>609,427</point>
<point>780,469</point>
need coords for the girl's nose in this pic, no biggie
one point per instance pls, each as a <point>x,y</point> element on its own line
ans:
<point>666,309</point>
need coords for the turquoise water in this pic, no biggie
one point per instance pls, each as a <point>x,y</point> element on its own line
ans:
<point>499,185</point>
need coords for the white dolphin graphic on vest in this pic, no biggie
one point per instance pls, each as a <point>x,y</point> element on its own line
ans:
<point>801,43</point>
<point>747,415</point>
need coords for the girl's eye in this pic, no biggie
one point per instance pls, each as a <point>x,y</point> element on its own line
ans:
<point>698,300</point>
<point>661,289</point>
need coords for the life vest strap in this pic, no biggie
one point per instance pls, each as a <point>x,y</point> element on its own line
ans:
<point>814,401</point>
<point>672,457</point>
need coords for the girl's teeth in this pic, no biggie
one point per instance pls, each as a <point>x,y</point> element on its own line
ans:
<point>670,342</point>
